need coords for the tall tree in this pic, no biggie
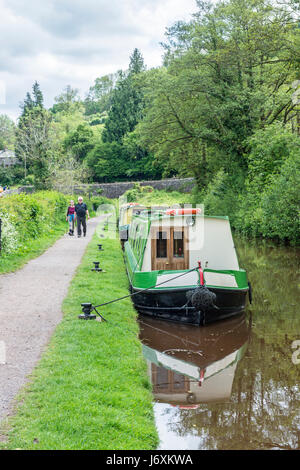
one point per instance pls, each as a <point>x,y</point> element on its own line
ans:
<point>66,100</point>
<point>79,142</point>
<point>38,98</point>
<point>27,104</point>
<point>35,143</point>
<point>136,64</point>
<point>7,132</point>
<point>98,99</point>
<point>127,102</point>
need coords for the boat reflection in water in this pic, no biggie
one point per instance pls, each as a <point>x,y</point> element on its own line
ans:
<point>187,365</point>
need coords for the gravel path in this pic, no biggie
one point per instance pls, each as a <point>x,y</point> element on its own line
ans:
<point>30,309</point>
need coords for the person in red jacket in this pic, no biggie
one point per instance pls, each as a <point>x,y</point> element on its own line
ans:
<point>71,217</point>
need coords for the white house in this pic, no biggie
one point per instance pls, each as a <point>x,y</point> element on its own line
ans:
<point>7,158</point>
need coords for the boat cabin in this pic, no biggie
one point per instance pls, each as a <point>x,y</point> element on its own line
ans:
<point>173,243</point>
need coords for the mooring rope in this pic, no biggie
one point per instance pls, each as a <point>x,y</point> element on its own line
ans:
<point>144,290</point>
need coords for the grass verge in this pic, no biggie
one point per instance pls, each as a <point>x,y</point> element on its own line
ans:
<point>90,389</point>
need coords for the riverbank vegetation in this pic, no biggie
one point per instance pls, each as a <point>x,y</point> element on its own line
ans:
<point>223,107</point>
<point>90,390</point>
<point>148,196</point>
<point>31,223</point>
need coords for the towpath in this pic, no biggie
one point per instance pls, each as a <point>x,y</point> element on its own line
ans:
<point>30,309</point>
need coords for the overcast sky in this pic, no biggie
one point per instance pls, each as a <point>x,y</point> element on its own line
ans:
<point>71,42</point>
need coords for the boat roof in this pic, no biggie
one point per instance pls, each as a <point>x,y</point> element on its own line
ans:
<point>147,215</point>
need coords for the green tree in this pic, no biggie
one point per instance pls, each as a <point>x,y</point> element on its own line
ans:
<point>80,141</point>
<point>98,99</point>
<point>127,102</point>
<point>140,163</point>
<point>7,132</point>
<point>67,100</point>
<point>35,143</point>
<point>38,99</point>
<point>28,104</point>
<point>107,163</point>
<point>269,148</point>
<point>280,203</point>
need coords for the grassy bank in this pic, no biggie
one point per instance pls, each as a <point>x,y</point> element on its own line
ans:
<point>90,389</point>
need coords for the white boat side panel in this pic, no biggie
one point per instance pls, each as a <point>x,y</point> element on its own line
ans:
<point>180,367</point>
<point>147,257</point>
<point>190,279</point>
<point>219,279</point>
<point>214,389</point>
<point>213,245</point>
<point>222,364</point>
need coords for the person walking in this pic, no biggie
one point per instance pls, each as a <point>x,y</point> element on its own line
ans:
<point>81,212</point>
<point>71,217</point>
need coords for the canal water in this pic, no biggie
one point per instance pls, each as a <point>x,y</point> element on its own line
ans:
<point>233,384</point>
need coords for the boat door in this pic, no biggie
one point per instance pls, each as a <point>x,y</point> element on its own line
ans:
<point>169,248</point>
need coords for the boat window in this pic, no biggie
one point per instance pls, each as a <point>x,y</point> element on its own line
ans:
<point>165,380</point>
<point>178,382</point>
<point>161,245</point>
<point>138,245</point>
<point>178,244</point>
<point>135,235</point>
<point>162,379</point>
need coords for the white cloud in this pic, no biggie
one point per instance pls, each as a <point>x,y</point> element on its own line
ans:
<point>60,42</point>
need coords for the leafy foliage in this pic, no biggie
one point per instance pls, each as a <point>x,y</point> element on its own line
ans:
<point>7,132</point>
<point>80,142</point>
<point>26,217</point>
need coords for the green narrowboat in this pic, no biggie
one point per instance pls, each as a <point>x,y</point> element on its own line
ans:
<point>182,266</point>
<point>126,212</point>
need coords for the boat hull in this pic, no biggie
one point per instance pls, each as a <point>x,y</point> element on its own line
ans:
<point>171,305</point>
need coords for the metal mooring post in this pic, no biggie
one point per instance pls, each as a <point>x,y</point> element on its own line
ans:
<point>87,309</point>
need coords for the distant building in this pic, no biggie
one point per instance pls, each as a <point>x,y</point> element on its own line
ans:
<point>8,158</point>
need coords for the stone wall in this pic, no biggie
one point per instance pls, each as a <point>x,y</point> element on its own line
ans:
<point>115,190</point>
<point>21,189</point>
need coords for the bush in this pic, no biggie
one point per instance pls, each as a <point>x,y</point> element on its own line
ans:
<point>220,197</point>
<point>10,176</point>
<point>26,217</point>
<point>97,201</point>
<point>137,191</point>
<point>280,203</point>
<point>9,235</point>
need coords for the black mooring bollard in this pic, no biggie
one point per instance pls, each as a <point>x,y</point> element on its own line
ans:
<point>100,247</point>
<point>86,309</point>
<point>97,267</point>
